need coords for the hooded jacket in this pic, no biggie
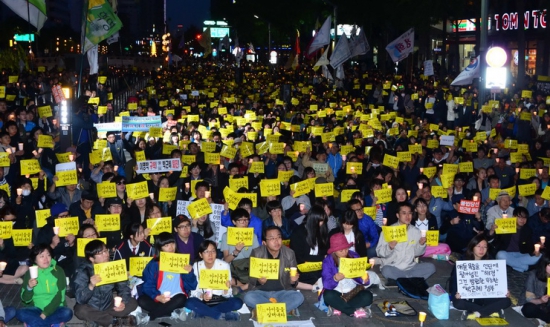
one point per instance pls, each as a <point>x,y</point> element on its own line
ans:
<point>49,293</point>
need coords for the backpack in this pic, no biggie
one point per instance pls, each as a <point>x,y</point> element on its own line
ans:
<point>413,287</point>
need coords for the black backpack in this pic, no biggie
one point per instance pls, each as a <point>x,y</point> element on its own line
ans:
<point>415,287</point>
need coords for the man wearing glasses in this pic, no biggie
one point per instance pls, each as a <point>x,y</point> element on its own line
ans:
<point>366,226</point>
<point>518,248</point>
<point>186,241</point>
<point>261,290</point>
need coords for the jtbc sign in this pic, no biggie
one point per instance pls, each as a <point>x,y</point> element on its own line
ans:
<point>510,21</point>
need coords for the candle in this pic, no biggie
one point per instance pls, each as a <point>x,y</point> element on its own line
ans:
<point>222,167</point>
<point>344,157</point>
<point>475,198</point>
<point>495,151</point>
<point>421,170</point>
<point>389,186</point>
<point>19,191</point>
<point>372,262</point>
<point>20,146</point>
<point>504,215</point>
<point>420,186</point>
<point>71,157</point>
<point>542,240</point>
<point>207,194</point>
<point>152,196</point>
<point>421,317</point>
<point>384,221</point>
<point>497,160</point>
<point>537,247</point>
<point>409,193</point>
<point>540,171</point>
<point>116,168</point>
<point>517,170</point>
<point>186,187</point>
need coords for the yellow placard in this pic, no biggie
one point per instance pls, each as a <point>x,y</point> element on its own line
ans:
<point>383,195</point>
<point>5,159</point>
<point>506,225</point>
<point>264,268</point>
<point>439,192</point>
<point>41,217</point>
<point>174,262</point>
<point>325,189</point>
<point>208,147</point>
<point>231,197</point>
<point>430,171</point>
<point>13,79</point>
<point>492,321</point>
<point>137,190</point>
<point>526,173</point>
<point>132,106</point>
<point>93,100</point>
<point>526,94</point>
<point>270,187</point>
<point>199,208</point>
<point>271,313</point>
<point>228,152</point>
<point>167,193</point>
<point>284,176</point>
<point>395,233</point>
<point>447,180</point>
<point>138,264</point>
<point>466,167</point>
<point>370,211</point>
<point>212,158</point>
<point>107,222</point>
<point>493,193</point>
<point>67,226</point>
<point>111,272</point>
<point>62,157</point>
<point>236,183</point>
<point>353,267</point>
<point>6,228</point>
<point>159,225</point>
<point>237,235</point>
<point>527,189</point>
<point>345,195</point>
<point>106,190</point>
<point>404,156</point>
<point>310,266</point>
<point>257,167</point>
<point>188,159</point>
<point>214,279</point>
<point>21,237</point>
<point>30,167</point>
<point>390,161</point>
<point>45,111</point>
<point>155,132</point>
<point>82,242</point>
<point>276,147</point>
<point>68,177</point>
<point>432,238</point>
<point>300,188</point>
<point>354,168</point>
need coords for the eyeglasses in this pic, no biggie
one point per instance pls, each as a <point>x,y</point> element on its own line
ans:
<point>184,227</point>
<point>104,251</point>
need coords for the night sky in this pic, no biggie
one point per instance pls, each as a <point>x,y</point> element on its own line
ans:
<point>187,12</point>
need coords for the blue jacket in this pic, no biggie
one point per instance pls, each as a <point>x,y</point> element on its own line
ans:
<point>152,279</point>
<point>330,269</point>
<point>437,205</point>
<point>369,230</point>
<point>335,163</point>
<point>255,223</point>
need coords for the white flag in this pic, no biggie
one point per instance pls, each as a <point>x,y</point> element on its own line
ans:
<point>469,73</point>
<point>359,44</point>
<point>341,52</point>
<point>327,73</point>
<point>92,60</point>
<point>401,47</point>
<point>321,38</point>
<point>340,73</point>
<point>33,11</point>
<point>323,60</point>
<point>428,67</point>
<point>113,38</point>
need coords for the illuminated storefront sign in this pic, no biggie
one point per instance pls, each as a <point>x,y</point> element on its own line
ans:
<point>510,21</point>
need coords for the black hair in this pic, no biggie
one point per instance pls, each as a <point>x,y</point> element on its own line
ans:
<point>316,235</point>
<point>83,227</point>
<point>205,230</point>
<point>204,246</point>
<point>37,250</point>
<point>162,239</point>
<point>541,273</point>
<point>272,205</point>
<point>239,213</point>
<point>521,211</point>
<point>93,248</point>
<point>131,230</point>
<point>245,202</point>
<point>354,202</point>
<point>469,255</point>
<point>270,228</point>
<point>202,184</point>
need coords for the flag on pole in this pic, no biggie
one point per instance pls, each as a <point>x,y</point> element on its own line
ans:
<point>359,44</point>
<point>341,52</point>
<point>321,38</point>
<point>327,73</point>
<point>323,60</point>
<point>340,73</point>
<point>101,23</point>
<point>113,38</point>
<point>401,47</point>
<point>467,76</point>
<point>206,42</point>
<point>34,13</point>
<point>93,60</point>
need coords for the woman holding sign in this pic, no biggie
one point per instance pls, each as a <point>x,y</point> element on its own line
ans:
<point>10,270</point>
<point>43,291</point>
<point>480,307</point>
<point>346,295</point>
<point>212,297</point>
<point>536,293</point>
<point>164,291</point>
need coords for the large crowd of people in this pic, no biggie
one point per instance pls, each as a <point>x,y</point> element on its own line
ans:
<point>251,146</point>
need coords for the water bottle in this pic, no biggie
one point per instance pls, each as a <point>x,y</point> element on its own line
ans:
<point>440,257</point>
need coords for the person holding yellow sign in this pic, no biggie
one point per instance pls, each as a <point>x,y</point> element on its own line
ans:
<point>44,154</point>
<point>346,295</point>
<point>9,255</point>
<point>163,291</point>
<point>96,304</point>
<point>212,297</point>
<point>134,244</point>
<point>397,259</point>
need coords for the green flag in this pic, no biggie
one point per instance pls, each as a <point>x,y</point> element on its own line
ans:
<point>34,11</point>
<point>101,23</point>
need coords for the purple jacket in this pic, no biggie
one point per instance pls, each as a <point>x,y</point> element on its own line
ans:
<point>330,269</point>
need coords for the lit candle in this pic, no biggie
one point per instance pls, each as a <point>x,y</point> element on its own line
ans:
<point>504,215</point>
<point>344,157</point>
<point>152,196</point>
<point>421,317</point>
<point>186,187</point>
<point>537,247</point>
<point>542,239</point>
<point>517,170</point>
<point>540,171</point>
<point>71,157</point>
<point>475,198</point>
<point>421,170</point>
<point>372,262</point>
<point>20,146</point>
<point>389,186</point>
<point>384,221</point>
<point>497,160</point>
<point>409,193</point>
<point>19,191</point>
<point>495,151</point>
<point>420,186</point>
<point>207,194</point>
<point>222,167</point>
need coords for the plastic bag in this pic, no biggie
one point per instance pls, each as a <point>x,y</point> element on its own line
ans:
<point>439,305</point>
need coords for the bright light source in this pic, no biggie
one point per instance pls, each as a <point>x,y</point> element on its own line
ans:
<point>496,57</point>
<point>67,92</point>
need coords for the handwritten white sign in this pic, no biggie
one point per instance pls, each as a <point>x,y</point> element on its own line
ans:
<point>478,279</point>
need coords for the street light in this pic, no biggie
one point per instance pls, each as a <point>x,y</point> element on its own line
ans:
<point>65,115</point>
<point>268,31</point>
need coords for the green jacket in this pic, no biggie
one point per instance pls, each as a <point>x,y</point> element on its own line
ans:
<point>49,293</point>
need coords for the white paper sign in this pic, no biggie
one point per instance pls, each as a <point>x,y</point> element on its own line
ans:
<point>428,68</point>
<point>215,217</point>
<point>195,93</point>
<point>67,166</point>
<point>153,166</point>
<point>447,140</point>
<point>478,279</point>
